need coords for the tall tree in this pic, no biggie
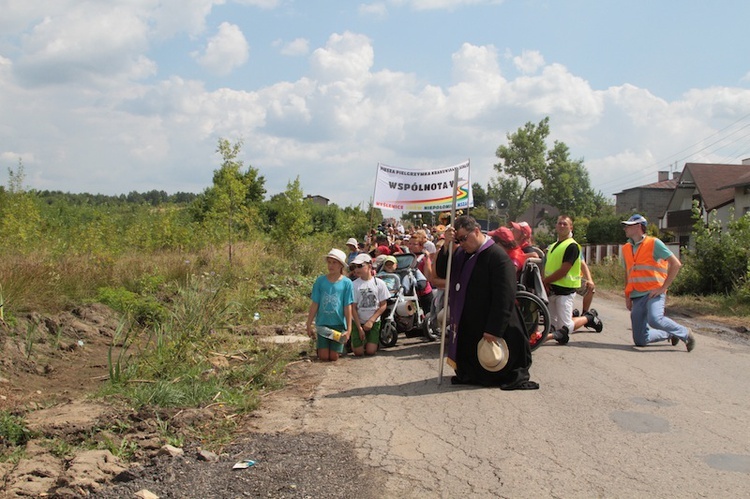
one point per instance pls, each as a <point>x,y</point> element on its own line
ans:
<point>293,218</point>
<point>20,219</point>
<point>566,183</point>
<point>529,173</point>
<point>229,208</point>
<point>524,159</point>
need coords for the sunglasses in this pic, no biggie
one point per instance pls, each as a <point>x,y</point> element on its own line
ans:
<point>462,239</point>
<point>357,265</point>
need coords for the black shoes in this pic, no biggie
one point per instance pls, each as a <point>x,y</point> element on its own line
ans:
<point>561,335</point>
<point>594,322</point>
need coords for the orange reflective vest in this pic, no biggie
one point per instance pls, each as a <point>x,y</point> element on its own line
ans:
<point>642,271</point>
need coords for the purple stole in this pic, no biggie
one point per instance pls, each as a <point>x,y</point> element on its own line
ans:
<point>460,274</point>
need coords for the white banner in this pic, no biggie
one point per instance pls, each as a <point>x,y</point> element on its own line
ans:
<point>422,190</point>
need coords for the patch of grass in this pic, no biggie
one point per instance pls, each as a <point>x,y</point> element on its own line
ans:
<point>124,449</point>
<point>60,448</point>
<point>166,433</point>
<point>13,436</point>
<point>144,309</point>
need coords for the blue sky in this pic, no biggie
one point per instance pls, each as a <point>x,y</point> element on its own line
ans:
<point>111,97</point>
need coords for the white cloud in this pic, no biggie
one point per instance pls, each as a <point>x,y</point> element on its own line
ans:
<point>225,51</point>
<point>528,62</point>
<point>71,48</point>
<point>263,4</point>
<point>376,10</point>
<point>345,56</point>
<point>179,16</point>
<point>118,125</point>
<point>298,46</point>
<point>443,4</point>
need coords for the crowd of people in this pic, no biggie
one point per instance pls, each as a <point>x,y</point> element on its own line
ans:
<point>488,344</point>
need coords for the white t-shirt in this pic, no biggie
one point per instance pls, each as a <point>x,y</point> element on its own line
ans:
<point>368,295</point>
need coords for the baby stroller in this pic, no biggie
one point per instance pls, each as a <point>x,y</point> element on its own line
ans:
<point>531,300</point>
<point>403,313</point>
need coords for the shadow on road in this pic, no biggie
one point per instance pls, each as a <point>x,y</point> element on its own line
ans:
<point>427,386</point>
<point>413,348</point>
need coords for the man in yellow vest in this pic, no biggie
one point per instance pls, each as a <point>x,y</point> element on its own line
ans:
<point>650,268</point>
<point>562,277</point>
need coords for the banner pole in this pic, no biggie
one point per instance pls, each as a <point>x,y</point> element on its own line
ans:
<point>441,360</point>
<point>372,201</point>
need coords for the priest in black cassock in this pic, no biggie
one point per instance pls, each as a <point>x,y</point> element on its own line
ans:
<point>481,301</point>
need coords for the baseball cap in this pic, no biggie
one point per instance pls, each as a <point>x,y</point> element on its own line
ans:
<point>502,233</point>
<point>383,250</point>
<point>635,220</point>
<point>524,227</point>
<point>362,258</point>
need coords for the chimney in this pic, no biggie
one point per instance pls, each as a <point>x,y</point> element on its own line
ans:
<point>676,175</point>
<point>746,161</point>
<point>663,176</point>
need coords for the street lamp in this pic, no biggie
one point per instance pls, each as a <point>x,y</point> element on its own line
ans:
<point>491,207</point>
<point>495,206</point>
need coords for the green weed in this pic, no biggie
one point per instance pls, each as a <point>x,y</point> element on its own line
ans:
<point>13,436</point>
<point>145,310</point>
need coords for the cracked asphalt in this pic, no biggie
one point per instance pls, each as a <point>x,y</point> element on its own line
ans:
<point>610,419</point>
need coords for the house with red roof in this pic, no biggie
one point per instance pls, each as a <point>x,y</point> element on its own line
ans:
<point>714,187</point>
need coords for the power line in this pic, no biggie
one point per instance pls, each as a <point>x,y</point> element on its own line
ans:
<point>648,170</point>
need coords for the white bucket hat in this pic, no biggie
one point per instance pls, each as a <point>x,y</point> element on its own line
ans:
<point>492,356</point>
<point>338,255</point>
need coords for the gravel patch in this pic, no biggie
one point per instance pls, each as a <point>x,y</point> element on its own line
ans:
<point>286,466</point>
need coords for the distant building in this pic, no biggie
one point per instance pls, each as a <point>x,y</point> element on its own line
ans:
<point>650,200</point>
<point>714,187</point>
<point>319,200</point>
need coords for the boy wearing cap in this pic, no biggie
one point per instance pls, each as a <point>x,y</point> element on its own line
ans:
<point>353,247</point>
<point>650,268</point>
<point>370,300</point>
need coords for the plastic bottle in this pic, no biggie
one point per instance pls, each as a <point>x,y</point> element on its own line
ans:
<point>331,334</point>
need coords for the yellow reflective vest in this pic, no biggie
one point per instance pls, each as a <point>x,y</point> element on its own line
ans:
<point>555,260</point>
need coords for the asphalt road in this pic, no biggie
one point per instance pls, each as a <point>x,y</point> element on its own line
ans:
<point>609,420</point>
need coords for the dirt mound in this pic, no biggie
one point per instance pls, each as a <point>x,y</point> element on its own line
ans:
<point>54,359</point>
<point>50,363</point>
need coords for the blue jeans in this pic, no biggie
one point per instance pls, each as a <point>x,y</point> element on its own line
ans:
<point>650,324</point>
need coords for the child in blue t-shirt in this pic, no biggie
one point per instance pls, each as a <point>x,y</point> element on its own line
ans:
<point>331,306</point>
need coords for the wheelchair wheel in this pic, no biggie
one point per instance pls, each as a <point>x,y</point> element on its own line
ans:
<point>535,316</point>
<point>388,334</point>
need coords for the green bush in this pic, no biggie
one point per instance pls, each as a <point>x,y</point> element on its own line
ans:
<point>145,310</point>
<point>718,264</point>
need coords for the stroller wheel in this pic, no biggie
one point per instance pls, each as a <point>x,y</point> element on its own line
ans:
<point>388,334</point>
<point>430,328</point>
